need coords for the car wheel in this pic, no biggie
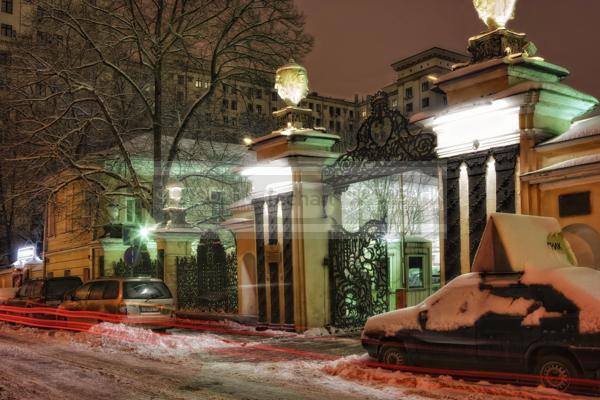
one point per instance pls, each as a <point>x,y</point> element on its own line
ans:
<point>392,354</point>
<point>556,372</point>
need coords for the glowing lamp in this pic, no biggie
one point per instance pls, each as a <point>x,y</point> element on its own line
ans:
<point>248,141</point>
<point>291,83</point>
<point>175,190</point>
<point>495,13</point>
<point>144,233</point>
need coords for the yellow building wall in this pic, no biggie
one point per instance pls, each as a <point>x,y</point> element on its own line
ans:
<point>6,278</point>
<point>549,204</point>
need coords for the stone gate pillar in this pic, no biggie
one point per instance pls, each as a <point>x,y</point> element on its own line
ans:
<point>173,243</point>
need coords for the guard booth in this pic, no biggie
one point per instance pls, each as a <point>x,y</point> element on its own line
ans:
<point>410,266</point>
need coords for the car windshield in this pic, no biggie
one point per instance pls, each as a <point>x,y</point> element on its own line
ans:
<point>56,288</point>
<point>145,290</point>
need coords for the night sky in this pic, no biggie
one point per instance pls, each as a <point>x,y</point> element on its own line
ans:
<point>357,40</point>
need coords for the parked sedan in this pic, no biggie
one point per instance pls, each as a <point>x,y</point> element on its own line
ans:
<point>140,300</point>
<point>47,292</point>
<point>502,323</point>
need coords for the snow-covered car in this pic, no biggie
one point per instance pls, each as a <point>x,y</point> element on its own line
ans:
<point>512,315</point>
<point>136,300</point>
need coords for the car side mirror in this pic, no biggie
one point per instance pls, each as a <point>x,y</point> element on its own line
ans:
<point>423,316</point>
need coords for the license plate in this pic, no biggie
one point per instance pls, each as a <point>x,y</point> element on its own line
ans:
<point>147,309</point>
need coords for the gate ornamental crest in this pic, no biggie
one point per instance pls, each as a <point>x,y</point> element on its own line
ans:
<point>385,140</point>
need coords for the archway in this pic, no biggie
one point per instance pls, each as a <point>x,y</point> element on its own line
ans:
<point>248,287</point>
<point>585,242</point>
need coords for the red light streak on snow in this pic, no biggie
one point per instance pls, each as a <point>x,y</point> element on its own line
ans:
<point>257,351</point>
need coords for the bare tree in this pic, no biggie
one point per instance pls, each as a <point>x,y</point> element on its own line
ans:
<point>99,74</point>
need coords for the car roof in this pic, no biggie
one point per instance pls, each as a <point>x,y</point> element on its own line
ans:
<point>126,279</point>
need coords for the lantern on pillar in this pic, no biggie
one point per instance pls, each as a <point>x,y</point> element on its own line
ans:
<point>291,83</point>
<point>495,13</point>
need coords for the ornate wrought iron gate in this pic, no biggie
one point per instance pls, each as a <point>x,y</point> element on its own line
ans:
<point>209,280</point>
<point>387,144</point>
<point>359,274</point>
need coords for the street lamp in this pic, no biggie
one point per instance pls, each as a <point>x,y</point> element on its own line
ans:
<point>175,190</point>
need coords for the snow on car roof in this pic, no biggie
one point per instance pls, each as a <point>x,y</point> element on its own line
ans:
<point>514,242</point>
<point>580,285</point>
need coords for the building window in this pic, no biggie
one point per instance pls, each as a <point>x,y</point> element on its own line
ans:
<point>425,86</point>
<point>206,85</point>
<point>311,106</point>
<point>7,6</point>
<point>394,104</point>
<point>338,126</point>
<point>234,121</point>
<point>7,30</point>
<point>4,58</point>
<point>274,96</point>
<point>337,111</point>
<point>48,38</point>
<point>409,107</point>
<point>331,125</point>
<point>415,272</point>
<point>330,110</point>
<point>225,120</point>
<point>250,107</point>
<point>318,122</point>
<point>180,79</point>
<point>233,105</point>
<point>351,114</point>
<point>133,210</point>
<point>258,93</point>
<point>225,104</point>
<point>425,102</point>
<point>180,98</point>
<point>198,83</point>
<point>259,109</point>
<point>408,93</point>
<point>318,108</point>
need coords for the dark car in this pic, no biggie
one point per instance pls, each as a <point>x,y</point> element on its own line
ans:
<point>500,323</point>
<point>47,292</point>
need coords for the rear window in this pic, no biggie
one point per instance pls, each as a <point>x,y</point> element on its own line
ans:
<point>56,288</point>
<point>145,290</point>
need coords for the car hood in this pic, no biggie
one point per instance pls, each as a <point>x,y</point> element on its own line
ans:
<point>390,323</point>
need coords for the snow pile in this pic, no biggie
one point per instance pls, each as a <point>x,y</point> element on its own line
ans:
<point>580,285</point>
<point>412,386</point>
<point>154,345</point>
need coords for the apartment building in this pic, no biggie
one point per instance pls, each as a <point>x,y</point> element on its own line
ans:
<point>335,115</point>
<point>412,92</point>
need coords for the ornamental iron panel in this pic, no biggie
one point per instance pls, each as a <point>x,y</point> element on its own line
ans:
<point>143,266</point>
<point>359,275</point>
<point>385,143</point>
<point>208,281</point>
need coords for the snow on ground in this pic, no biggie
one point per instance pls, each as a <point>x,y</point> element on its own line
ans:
<point>441,387</point>
<point>209,364</point>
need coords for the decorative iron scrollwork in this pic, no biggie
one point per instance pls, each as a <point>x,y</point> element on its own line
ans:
<point>359,275</point>
<point>209,280</point>
<point>384,139</point>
